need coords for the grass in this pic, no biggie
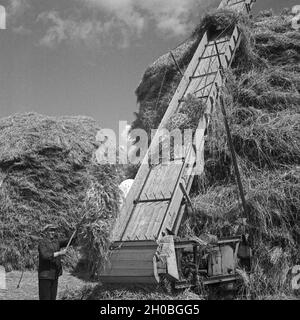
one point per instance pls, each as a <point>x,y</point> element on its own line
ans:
<point>29,286</point>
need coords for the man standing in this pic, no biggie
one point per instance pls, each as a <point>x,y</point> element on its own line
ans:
<point>50,267</point>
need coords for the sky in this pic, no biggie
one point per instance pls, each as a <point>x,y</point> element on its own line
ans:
<point>87,57</point>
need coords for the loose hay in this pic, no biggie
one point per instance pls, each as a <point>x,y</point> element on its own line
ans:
<point>102,204</point>
<point>102,293</point>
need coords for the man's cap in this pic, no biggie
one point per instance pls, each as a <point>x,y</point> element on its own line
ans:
<point>49,227</point>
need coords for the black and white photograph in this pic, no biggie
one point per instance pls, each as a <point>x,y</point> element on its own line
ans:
<point>149,153</point>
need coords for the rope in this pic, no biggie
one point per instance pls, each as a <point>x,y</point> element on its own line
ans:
<point>161,87</point>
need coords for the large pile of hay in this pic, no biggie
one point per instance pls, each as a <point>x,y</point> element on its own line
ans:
<point>48,175</point>
<point>262,94</point>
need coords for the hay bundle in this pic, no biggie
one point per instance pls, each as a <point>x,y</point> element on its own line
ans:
<point>188,115</point>
<point>102,207</point>
<point>45,172</point>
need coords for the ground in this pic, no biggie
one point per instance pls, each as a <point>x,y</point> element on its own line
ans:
<point>29,286</point>
<point>67,282</point>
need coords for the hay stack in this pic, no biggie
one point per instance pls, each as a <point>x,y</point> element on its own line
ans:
<point>46,168</point>
<point>263,96</point>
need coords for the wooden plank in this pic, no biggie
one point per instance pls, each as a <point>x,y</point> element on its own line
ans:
<point>134,223</point>
<point>142,254</point>
<point>138,269</point>
<point>147,216</point>
<point>128,205</point>
<point>167,252</point>
<point>131,264</point>
<point>128,279</point>
<point>154,223</point>
<point>133,256</point>
<point>137,216</point>
<point>153,177</point>
<point>177,198</point>
<point>127,208</point>
<point>135,245</point>
<point>149,231</point>
<point>137,272</point>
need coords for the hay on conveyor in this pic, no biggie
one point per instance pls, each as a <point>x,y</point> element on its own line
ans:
<point>188,115</point>
<point>262,95</point>
<point>46,169</point>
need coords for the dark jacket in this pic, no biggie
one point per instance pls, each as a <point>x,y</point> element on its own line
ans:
<point>50,268</point>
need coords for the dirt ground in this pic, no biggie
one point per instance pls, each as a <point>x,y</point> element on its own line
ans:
<point>29,285</point>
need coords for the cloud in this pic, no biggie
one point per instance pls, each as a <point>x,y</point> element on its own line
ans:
<point>16,8</point>
<point>69,29</point>
<point>73,29</point>
<point>169,17</point>
<point>117,23</point>
<point>172,18</point>
<point>22,30</point>
<point>15,11</point>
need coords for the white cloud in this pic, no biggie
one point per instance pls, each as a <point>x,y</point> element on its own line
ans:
<point>17,8</point>
<point>122,10</point>
<point>15,11</point>
<point>114,22</point>
<point>119,22</point>
<point>59,30</point>
<point>171,17</point>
